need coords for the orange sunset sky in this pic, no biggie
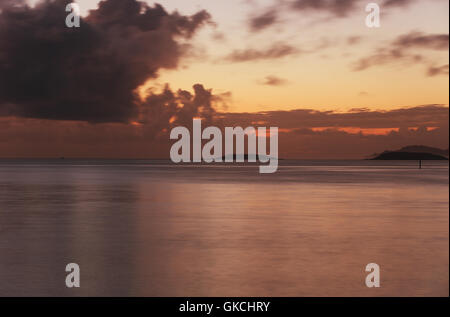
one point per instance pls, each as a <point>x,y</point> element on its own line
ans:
<point>320,72</point>
<point>334,87</point>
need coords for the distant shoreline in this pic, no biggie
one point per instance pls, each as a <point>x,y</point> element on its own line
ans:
<point>409,156</point>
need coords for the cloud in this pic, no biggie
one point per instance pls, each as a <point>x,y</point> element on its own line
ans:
<point>331,8</point>
<point>162,111</point>
<point>352,40</point>
<point>342,8</point>
<point>405,48</point>
<point>263,21</point>
<point>341,144</point>
<point>10,3</point>
<point>398,3</point>
<point>90,73</point>
<point>304,133</point>
<point>429,115</point>
<point>385,56</point>
<point>420,40</point>
<point>336,7</point>
<point>273,81</point>
<point>219,36</point>
<point>275,51</point>
<point>307,133</point>
<point>440,70</point>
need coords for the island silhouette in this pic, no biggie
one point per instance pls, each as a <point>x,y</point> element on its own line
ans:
<point>413,152</point>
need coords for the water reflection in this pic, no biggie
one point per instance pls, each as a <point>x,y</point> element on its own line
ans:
<point>144,230</point>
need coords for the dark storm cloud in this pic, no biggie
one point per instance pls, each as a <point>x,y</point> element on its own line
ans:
<point>90,73</point>
<point>406,48</point>
<point>163,111</point>
<point>275,51</point>
<point>146,137</point>
<point>10,3</point>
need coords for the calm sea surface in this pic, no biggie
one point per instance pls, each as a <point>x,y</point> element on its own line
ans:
<point>149,228</point>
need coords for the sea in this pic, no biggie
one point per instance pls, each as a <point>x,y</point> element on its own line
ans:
<point>153,228</point>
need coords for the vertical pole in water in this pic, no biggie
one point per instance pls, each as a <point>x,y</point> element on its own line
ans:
<point>420,164</point>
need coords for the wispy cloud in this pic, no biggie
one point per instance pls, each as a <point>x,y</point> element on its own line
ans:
<point>264,20</point>
<point>420,40</point>
<point>331,8</point>
<point>272,80</point>
<point>439,70</point>
<point>275,51</point>
<point>431,115</point>
<point>408,49</point>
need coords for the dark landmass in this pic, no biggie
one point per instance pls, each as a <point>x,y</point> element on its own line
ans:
<point>413,152</point>
<point>424,149</point>
<point>409,156</point>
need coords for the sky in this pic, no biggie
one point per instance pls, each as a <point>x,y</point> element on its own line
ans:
<point>321,75</point>
<point>312,67</point>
